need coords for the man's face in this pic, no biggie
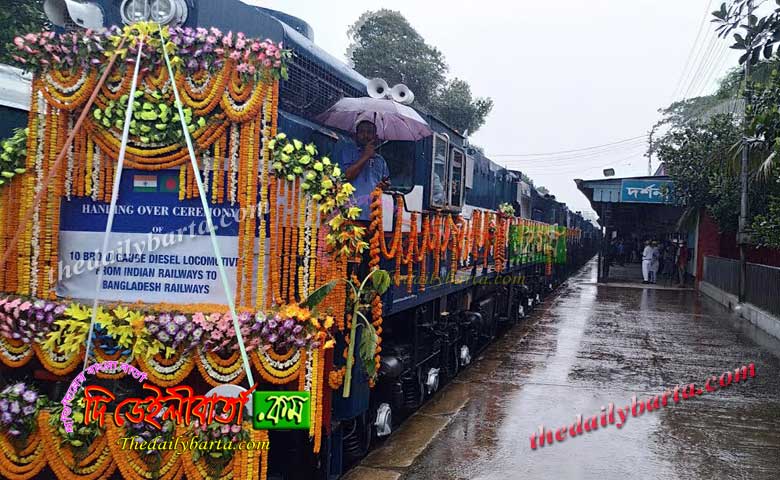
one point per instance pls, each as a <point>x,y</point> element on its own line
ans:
<point>365,133</point>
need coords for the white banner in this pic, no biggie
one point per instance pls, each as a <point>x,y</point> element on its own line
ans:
<point>148,268</point>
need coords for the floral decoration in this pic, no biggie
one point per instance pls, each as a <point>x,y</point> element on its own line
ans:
<point>174,332</point>
<point>155,121</point>
<point>79,440</point>
<point>19,407</point>
<point>28,321</point>
<point>216,432</point>
<point>323,182</point>
<point>203,49</point>
<point>506,209</point>
<point>13,155</point>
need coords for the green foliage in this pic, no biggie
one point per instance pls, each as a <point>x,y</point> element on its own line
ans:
<point>766,227</point>
<point>13,155</point>
<point>455,105</point>
<point>697,155</point>
<point>384,44</point>
<point>17,18</point>
<point>368,343</point>
<point>317,296</point>
<point>82,435</point>
<point>154,121</point>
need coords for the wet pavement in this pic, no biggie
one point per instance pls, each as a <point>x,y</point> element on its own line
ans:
<point>586,346</point>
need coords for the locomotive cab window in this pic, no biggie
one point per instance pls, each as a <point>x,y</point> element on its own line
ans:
<point>456,178</point>
<point>439,171</point>
<point>400,159</point>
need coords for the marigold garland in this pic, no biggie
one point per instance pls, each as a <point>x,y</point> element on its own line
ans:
<point>26,463</point>
<point>97,464</point>
<point>133,466</point>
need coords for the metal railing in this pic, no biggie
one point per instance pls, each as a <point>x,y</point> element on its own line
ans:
<point>722,273</point>
<point>762,288</point>
<point>763,282</point>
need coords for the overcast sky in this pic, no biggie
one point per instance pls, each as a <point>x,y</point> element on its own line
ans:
<point>564,74</point>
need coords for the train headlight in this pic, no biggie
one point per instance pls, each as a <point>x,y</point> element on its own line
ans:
<point>164,12</point>
<point>135,11</point>
<point>169,12</point>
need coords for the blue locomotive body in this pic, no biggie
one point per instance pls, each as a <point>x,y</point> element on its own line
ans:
<point>430,333</point>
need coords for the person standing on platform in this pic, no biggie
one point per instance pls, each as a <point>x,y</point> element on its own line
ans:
<point>647,261</point>
<point>655,263</point>
<point>682,262</point>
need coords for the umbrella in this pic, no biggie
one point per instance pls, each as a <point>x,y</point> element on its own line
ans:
<point>393,121</point>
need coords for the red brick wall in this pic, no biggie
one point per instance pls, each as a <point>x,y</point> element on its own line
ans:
<point>712,242</point>
<point>708,242</point>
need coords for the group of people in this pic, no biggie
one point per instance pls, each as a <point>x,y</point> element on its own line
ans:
<point>667,258</point>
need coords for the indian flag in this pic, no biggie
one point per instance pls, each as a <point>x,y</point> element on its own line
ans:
<point>144,183</point>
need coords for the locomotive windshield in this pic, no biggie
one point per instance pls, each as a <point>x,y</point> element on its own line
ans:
<point>400,159</point>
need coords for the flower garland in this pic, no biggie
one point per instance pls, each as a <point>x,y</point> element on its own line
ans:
<point>25,463</point>
<point>95,463</point>
<point>324,183</point>
<point>204,50</point>
<point>132,464</point>
<point>15,353</point>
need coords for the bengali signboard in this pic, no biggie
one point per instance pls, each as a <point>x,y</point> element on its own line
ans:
<point>646,191</point>
<point>159,250</point>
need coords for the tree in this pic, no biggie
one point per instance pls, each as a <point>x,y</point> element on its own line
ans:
<point>455,105</point>
<point>17,18</point>
<point>384,44</point>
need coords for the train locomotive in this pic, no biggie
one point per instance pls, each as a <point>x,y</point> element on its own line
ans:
<point>454,305</point>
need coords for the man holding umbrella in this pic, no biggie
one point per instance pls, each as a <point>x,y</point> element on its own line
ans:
<point>364,168</point>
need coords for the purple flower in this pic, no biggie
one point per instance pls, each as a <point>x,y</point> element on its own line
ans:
<point>6,418</point>
<point>3,404</point>
<point>28,410</point>
<point>30,396</point>
<point>171,328</point>
<point>15,408</point>
<point>163,337</point>
<point>18,389</point>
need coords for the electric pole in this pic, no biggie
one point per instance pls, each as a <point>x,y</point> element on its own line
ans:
<point>742,239</point>
<point>650,151</point>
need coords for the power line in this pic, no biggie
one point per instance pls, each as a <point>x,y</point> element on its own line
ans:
<point>704,60</point>
<point>540,169</point>
<point>579,160</point>
<point>567,151</point>
<point>576,156</point>
<point>691,52</point>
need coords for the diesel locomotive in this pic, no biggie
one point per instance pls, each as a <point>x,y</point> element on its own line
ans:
<point>433,326</point>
